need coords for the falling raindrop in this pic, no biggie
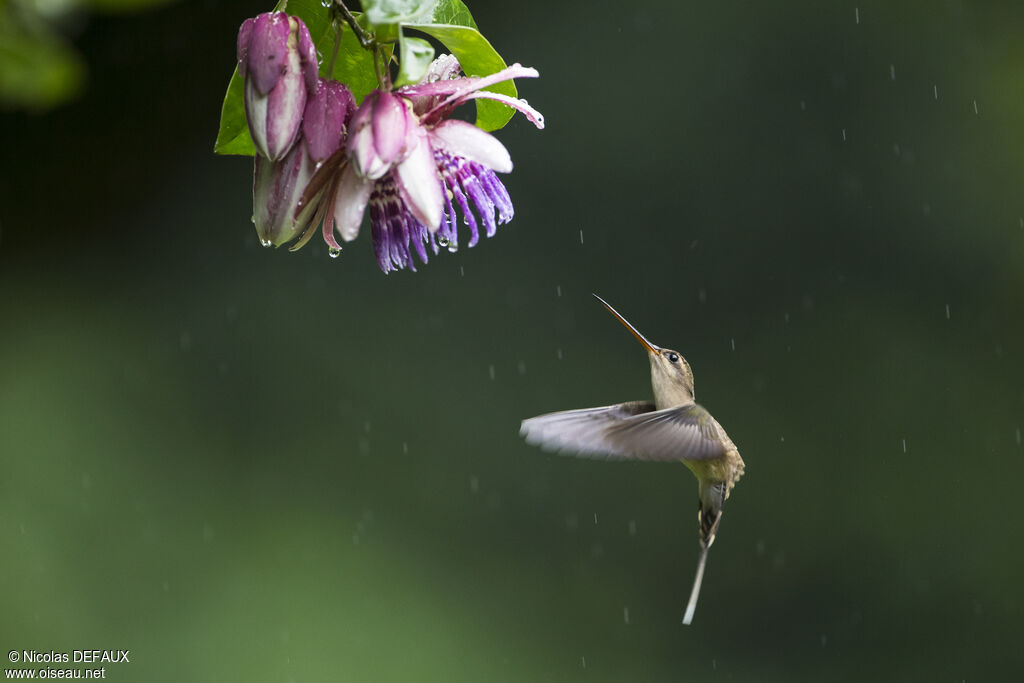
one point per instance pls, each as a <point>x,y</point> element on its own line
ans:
<point>856,14</point>
<point>405,448</point>
<point>632,527</point>
<point>892,71</point>
<point>625,614</point>
<point>1018,436</point>
<point>702,296</point>
<point>559,354</point>
<point>904,445</point>
<point>732,342</point>
<point>595,519</point>
<point>265,242</point>
<point>583,661</point>
<point>474,484</point>
<point>581,235</point>
<point>490,370</point>
<point>558,290</point>
<point>844,135</point>
<point>935,89</point>
<point>947,311</point>
<point>334,252</point>
<point>522,367</point>
<point>975,103</point>
<point>462,271</point>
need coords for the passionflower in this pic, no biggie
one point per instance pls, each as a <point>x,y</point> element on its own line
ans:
<point>417,169</point>
<point>277,59</point>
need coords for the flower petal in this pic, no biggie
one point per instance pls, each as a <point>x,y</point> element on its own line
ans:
<point>419,184</point>
<point>535,117</point>
<point>307,55</point>
<point>285,106</point>
<point>244,38</point>
<point>267,49</point>
<point>391,120</point>
<point>323,123</point>
<point>353,193</point>
<point>466,140</point>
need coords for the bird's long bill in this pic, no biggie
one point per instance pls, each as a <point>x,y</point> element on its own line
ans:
<point>643,340</point>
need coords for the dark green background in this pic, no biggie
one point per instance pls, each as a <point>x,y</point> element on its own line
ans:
<point>245,464</point>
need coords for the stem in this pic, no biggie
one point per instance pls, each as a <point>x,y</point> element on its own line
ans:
<point>367,40</point>
<point>334,55</point>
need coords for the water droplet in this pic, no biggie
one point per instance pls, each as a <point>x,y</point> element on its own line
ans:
<point>522,367</point>
<point>892,71</point>
<point>856,14</point>
<point>490,370</point>
<point>405,448</point>
<point>334,252</point>
<point>265,242</point>
<point>844,135</point>
<point>632,527</point>
<point>625,614</point>
<point>732,342</point>
<point>935,89</point>
<point>595,519</point>
<point>453,247</point>
<point>462,271</point>
<point>474,484</point>
<point>442,241</point>
<point>975,106</point>
<point>947,311</point>
<point>904,445</point>
<point>558,290</point>
<point>581,235</point>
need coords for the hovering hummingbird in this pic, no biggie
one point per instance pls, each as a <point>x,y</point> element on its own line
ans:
<point>671,428</point>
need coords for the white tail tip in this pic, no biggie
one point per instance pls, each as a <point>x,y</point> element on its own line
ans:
<point>691,607</point>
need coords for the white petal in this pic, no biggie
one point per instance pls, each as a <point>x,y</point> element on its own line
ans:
<point>419,184</point>
<point>353,193</point>
<point>466,140</point>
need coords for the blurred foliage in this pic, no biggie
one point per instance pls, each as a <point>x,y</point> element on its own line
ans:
<point>39,68</point>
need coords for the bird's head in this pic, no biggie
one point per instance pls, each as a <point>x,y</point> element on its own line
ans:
<point>671,376</point>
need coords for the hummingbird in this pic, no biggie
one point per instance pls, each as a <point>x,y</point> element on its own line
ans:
<point>672,427</point>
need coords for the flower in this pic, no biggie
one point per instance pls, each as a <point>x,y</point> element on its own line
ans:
<point>417,169</point>
<point>277,58</point>
<point>279,186</point>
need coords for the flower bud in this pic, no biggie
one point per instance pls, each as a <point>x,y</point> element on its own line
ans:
<point>384,132</point>
<point>279,186</point>
<point>277,58</point>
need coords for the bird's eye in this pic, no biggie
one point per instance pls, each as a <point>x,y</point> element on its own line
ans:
<point>673,358</point>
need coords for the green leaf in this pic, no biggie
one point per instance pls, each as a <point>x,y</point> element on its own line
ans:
<point>38,69</point>
<point>477,58</point>
<point>453,12</point>
<point>233,136</point>
<point>382,12</point>
<point>416,56</point>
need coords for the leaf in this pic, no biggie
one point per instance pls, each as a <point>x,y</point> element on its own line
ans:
<point>416,56</point>
<point>233,136</point>
<point>453,12</point>
<point>382,12</point>
<point>477,58</point>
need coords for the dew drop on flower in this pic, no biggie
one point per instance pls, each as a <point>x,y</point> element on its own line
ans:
<point>442,241</point>
<point>334,252</point>
<point>265,242</point>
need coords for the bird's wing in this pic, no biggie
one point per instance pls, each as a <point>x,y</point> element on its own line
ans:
<point>634,431</point>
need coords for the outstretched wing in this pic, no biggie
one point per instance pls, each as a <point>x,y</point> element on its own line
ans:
<point>633,430</point>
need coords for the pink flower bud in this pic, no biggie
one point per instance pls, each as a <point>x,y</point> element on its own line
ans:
<point>277,58</point>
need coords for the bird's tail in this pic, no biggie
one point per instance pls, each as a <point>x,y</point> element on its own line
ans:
<point>709,510</point>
